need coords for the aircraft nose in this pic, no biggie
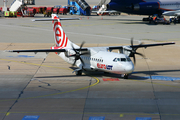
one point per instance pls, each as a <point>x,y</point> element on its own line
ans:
<point>129,68</point>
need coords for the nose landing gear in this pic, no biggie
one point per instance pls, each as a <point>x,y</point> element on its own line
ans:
<point>125,76</point>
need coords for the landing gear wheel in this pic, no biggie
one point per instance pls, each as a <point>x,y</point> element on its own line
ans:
<point>145,19</point>
<point>126,76</point>
<point>78,73</point>
<point>106,72</point>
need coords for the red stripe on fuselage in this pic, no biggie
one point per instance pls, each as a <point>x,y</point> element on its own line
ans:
<point>166,9</point>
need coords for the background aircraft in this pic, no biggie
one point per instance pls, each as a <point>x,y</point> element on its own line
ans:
<point>92,58</point>
<point>145,7</point>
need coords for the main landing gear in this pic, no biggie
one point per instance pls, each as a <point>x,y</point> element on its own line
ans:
<point>126,76</point>
<point>146,19</point>
<point>78,73</point>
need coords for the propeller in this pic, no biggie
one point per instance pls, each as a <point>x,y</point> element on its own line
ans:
<point>133,51</point>
<point>78,54</point>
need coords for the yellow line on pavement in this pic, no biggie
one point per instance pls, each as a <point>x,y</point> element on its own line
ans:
<point>34,64</point>
<point>97,81</point>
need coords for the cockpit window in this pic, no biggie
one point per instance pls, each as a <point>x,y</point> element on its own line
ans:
<point>115,60</point>
<point>128,59</point>
<point>122,59</point>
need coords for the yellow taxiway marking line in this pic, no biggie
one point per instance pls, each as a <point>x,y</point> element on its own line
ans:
<point>34,64</point>
<point>71,70</point>
<point>7,113</point>
<point>97,81</point>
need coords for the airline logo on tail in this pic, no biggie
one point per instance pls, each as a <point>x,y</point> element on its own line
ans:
<point>61,39</point>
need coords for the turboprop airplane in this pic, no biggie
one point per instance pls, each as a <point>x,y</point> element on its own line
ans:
<point>145,7</point>
<point>92,58</point>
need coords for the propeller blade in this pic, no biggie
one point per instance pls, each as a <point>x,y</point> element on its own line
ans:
<point>78,54</point>
<point>140,54</point>
<point>132,41</point>
<point>81,60</point>
<point>82,45</point>
<point>134,58</point>
<point>74,62</point>
<point>74,49</point>
<point>138,46</point>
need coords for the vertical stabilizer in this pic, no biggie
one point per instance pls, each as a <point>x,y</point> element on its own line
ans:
<point>61,40</point>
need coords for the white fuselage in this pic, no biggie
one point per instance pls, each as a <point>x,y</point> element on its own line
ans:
<point>103,61</point>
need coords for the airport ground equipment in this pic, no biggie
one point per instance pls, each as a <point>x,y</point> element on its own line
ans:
<point>79,7</point>
<point>174,19</point>
<point>63,11</point>
<point>40,10</point>
<point>101,9</point>
<point>18,6</point>
<point>18,3</point>
<point>37,9</point>
<point>1,13</point>
<point>28,12</point>
<point>159,20</point>
<point>56,9</point>
<point>10,14</point>
<point>48,12</point>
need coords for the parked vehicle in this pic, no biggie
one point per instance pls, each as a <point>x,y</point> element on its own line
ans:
<point>48,12</point>
<point>63,11</point>
<point>56,9</point>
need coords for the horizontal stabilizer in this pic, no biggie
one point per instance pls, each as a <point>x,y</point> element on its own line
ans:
<point>55,19</point>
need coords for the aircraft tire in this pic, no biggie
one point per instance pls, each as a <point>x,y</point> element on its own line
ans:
<point>145,19</point>
<point>78,73</point>
<point>126,76</point>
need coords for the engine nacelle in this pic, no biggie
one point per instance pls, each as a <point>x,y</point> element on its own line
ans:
<point>146,6</point>
<point>125,50</point>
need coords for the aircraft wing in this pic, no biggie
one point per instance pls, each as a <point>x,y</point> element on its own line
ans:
<point>141,45</point>
<point>86,49</point>
<point>172,13</point>
<point>45,50</point>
